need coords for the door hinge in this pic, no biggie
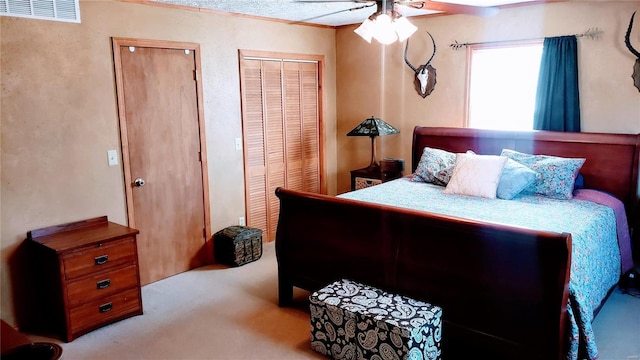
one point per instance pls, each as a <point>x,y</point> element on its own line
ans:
<point>195,75</point>
<point>204,232</point>
<point>200,156</point>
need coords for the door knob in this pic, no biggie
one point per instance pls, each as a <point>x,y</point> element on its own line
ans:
<point>138,182</point>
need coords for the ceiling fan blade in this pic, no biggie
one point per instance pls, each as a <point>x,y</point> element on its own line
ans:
<point>335,12</point>
<point>427,5</point>
<point>452,8</point>
<point>335,1</point>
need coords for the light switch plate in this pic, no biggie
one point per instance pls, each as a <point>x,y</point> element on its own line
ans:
<point>238,144</point>
<point>112,155</point>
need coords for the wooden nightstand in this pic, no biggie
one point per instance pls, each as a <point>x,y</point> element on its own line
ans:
<point>362,178</point>
<point>389,169</point>
<point>86,274</point>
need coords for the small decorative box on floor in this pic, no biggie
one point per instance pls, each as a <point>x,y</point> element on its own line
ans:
<point>237,245</point>
<point>355,321</point>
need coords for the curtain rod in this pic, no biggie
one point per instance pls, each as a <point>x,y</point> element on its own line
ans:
<point>591,33</point>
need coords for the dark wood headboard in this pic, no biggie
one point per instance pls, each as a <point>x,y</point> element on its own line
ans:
<point>611,159</point>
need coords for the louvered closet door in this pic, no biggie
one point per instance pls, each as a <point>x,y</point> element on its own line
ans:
<point>275,144</point>
<point>281,135</point>
<point>293,125</point>
<point>254,144</point>
<point>310,127</point>
<point>301,124</point>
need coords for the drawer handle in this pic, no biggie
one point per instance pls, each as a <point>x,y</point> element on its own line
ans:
<point>106,307</point>
<point>102,284</point>
<point>101,260</point>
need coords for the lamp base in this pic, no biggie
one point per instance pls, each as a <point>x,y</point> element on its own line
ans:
<point>373,166</point>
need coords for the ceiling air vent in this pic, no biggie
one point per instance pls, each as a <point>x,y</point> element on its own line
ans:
<point>57,10</point>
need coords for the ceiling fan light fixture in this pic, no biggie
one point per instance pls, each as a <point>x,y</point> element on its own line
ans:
<point>386,27</point>
<point>404,28</point>
<point>384,30</point>
<point>365,30</point>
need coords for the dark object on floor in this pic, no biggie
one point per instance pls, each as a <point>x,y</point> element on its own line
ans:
<point>630,283</point>
<point>350,320</point>
<point>35,351</point>
<point>17,346</point>
<point>237,245</point>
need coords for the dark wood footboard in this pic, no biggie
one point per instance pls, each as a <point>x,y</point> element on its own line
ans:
<point>503,290</point>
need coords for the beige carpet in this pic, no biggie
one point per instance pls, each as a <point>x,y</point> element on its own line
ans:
<point>217,312</point>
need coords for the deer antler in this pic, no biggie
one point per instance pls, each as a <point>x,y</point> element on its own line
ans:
<point>406,47</point>
<point>627,41</point>
<point>434,50</point>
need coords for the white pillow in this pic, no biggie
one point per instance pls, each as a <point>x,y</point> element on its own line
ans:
<point>476,175</point>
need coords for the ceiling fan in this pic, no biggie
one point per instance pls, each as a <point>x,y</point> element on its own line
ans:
<point>400,5</point>
<point>388,24</point>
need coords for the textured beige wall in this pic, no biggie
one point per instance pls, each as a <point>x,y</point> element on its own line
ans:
<point>373,79</point>
<point>59,115</point>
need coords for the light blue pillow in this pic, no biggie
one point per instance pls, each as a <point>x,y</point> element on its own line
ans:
<point>556,176</point>
<point>514,179</point>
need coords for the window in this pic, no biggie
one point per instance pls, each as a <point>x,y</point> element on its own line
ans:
<point>502,85</point>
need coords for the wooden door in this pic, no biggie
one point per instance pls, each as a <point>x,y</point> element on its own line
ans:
<point>281,129</point>
<point>163,147</point>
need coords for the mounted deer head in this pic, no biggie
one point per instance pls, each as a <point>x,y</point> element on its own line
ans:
<point>425,75</point>
<point>636,66</point>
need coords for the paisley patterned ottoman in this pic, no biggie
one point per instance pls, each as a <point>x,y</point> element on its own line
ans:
<point>355,321</point>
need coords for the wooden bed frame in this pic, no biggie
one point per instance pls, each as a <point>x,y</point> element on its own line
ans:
<point>503,290</point>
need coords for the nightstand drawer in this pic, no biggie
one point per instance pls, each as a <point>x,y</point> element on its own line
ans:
<point>99,312</point>
<point>99,258</point>
<point>102,284</point>
<point>362,183</point>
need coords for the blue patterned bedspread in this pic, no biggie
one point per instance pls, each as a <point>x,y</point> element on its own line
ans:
<point>595,259</point>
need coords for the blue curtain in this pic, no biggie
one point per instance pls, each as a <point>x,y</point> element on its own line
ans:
<point>557,99</point>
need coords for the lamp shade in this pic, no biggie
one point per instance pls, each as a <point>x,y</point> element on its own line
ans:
<point>365,30</point>
<point>373,127</point>
<point>403,28</point>
<point>384,30</point>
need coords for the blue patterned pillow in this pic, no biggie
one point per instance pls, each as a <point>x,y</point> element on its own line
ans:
<point>514,179</point>
<point>556,176</point>
<point>431,166</point>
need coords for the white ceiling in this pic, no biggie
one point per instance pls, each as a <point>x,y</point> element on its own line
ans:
<point>326,12</point>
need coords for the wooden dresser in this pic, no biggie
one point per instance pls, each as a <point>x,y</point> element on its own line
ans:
<point>87,275</point>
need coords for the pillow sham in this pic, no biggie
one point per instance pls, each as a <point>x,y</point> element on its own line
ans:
<point>476,175</point>
<point>556,176</point>
<point>444,176</point>
<point>514,179</point>
<point>432,163</point>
